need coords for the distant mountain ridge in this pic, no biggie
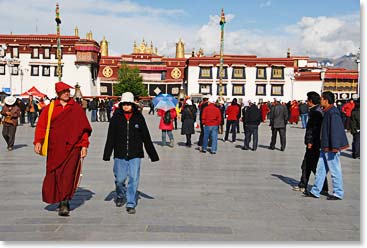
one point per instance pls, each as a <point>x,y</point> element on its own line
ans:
<point>347,61</point>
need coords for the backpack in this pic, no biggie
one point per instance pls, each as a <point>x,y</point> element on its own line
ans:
<point>167,117</point>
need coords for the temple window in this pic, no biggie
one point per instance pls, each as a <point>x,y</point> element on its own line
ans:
<point>277,90</point>
<point>260,73</point>
<point>224,73</point>
<point>238,73</point>
<point>46,70</point>
<point>34,70</point>
<point>2,69</point>
<point>205,73</point>
<point>46,53</point>
<point>35,53</point>
<point>261,89</point>
<point>238,90</point>
<point>277,73</point>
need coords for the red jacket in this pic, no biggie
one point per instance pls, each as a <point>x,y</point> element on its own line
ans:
<point>164,126</point>
<point>347,109</point>
<point>233,112</point>
<point>211,116</point>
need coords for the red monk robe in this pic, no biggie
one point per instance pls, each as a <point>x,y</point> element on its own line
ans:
<point>294,118</point>
<point>69,132</point>
<point>264,111</point>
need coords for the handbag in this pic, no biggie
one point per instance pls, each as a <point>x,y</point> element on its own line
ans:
<point>45,141</point>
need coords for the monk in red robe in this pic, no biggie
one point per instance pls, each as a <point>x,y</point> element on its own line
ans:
<point>294,118</point>
<point>264,111</point>
<point>67,145</point>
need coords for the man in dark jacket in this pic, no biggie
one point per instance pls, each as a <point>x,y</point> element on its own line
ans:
<point>355,129</point>
<point>312,142</point>
<point>252,119</point>
<point>233,113</point>
<point>333,140</point>
<point>127,133</point>
<point>278,122</point>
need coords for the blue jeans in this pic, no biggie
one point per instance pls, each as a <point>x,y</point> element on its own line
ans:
<point>124,169</point>
<point>170,135</point>
<point>212,132</point>
<point>93,115</point>
<point>304,118</point>
<point>329,161</point>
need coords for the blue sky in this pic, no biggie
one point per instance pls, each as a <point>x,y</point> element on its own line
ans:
<point>328,28</point>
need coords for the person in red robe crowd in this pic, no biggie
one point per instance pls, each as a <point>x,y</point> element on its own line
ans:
<point>294,118</point>
<point>67,145</point>
<point>264,111</point>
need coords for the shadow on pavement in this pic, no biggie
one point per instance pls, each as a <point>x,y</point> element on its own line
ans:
<point>290,181</point>
<point>112,196</point>
<point>80,196</point>
<point>15,147</point>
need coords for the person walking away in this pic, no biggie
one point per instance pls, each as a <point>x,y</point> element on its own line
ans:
<point>11,112</point>
<point>232,113</point>
<point>278,123</point>
<point>355,130</point>
<point>312,142</point>
<point>32,110</point>
<point>303,111</point>
<point>223,113</point>
<point>127,133</point>
<point>333,140</point>
<point>102,111</point>
<point>22,108</point>
<point>69,130</point>
<point>188,118</point>
<point>166,125</point>
<point>204,103</point>
<point>252,121</point>
<point>109,105</point>
<point>93,106</point>
<point>211,119</point>
<point>347,110</point>
<point>151,106</point>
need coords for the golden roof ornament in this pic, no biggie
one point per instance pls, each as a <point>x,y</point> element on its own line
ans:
<point>104,47</point>
<point>180,49</point>
<point>76,31</point>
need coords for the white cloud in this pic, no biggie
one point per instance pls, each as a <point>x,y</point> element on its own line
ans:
<point>265,4</point>
<point>122,22</point>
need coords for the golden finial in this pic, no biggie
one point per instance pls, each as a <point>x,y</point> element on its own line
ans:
<point>76,31</point>
<point>104,47</point>
<point>180,49</point>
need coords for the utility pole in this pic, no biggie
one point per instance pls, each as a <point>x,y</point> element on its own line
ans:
<point>221,23</point>
<point>58,53</point>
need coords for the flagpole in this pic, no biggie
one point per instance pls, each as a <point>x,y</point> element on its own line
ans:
<point>221,23</point>
<point>58,53</point>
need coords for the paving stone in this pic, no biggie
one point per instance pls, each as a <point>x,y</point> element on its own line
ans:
<point>190,229</point>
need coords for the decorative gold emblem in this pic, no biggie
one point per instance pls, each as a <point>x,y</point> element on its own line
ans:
<point>176,73</point>
<point>107,72</point>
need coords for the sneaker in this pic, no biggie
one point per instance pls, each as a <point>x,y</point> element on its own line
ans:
<point>309,194</point>
<point>119,202</point>
<point>130,210</point>
<point>202,151</point>
<point>244,148</point>
<point>271,148</point>
<point>332,198</point>
<point>296,188</point>
<point>212,152</point>
<point>171,143</point>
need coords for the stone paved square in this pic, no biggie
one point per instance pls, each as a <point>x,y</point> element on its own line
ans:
<point>234,195</point>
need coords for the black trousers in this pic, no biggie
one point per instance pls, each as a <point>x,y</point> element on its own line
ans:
<point>274,132</point>
<point>9,134</point>
<point>356,145</point>
<point>251,130</point>
<point>309,164</point>
<point>231,126</point>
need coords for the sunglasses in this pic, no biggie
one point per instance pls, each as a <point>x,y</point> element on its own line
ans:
<point>127,104</point>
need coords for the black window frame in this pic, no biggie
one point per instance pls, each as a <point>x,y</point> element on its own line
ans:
<point>225,72</point>
<point>12,52</point>
<point>272,72</point>
<point>211,88</point>
<point>257,73</point>
<point>49,53</point>
<point>201,71</point>
<point>43,70</point>
<point>257,89</point>
<point>12,70</point>
<point>244,73</point>
<point>225,89</point>
<point>38,71</point>
<point>38,53</point>
<point>3,66</point>
<point>3,53</point>
<point>243,90</point>
<point>277,85</point>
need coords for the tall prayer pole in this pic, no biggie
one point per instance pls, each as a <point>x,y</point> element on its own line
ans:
<point>221,23</point>
<point>58,53</point>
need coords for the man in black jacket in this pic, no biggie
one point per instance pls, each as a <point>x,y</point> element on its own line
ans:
<point>312,142</point>
<point>278,123</point>
<point>127,133</point>
<point>355,130</point>
<point>252,119</point>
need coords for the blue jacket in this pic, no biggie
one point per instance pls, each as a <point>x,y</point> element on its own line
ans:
<point>333,137</point>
